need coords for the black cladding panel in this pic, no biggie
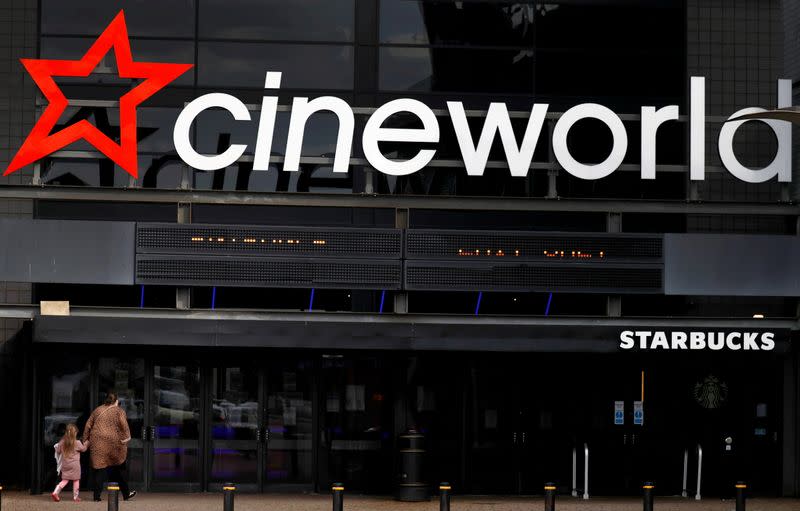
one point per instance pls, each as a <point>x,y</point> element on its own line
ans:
<point>67,251</point>
<point>731,265</point>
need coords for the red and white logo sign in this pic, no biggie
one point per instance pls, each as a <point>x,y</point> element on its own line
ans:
<point>42,141</point>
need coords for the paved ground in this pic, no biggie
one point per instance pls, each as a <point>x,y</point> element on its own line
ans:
<point>213,502</point>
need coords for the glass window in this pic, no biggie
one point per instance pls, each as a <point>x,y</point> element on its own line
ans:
<point>295,20</point>
<point>470,23</point>
<point>72,48</point>
<point>83,172</point>
<point>447,69</point>
<point>303,66</point>
<point>641,26</point>
<point>174,18</point>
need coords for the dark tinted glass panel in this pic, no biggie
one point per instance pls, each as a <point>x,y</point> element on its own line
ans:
<point>303,66</point>
<point>457,70</point>
<point>295,20</point>
<point>472,23</point>
<point>641,25</point>
<point>69,48</point>
<point>174,18</point>
<point>83,172</point>
<point>311,177</point>
<point>588,74</point>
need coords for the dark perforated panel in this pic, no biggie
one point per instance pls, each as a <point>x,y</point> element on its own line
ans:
<point>454,244</point>
<point>268,241</point>
<point>267,272</point>
<point>436,275</point>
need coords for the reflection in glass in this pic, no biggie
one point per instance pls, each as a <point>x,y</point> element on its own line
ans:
<point>126,378</point>
<point>356,422</point>
<point>449,69</point>
<point>176,416</point>
<point>301,20</point>
<point>303,66</point>
<point>234,425</point>
<point>289,424</point>
<point>71,48</point>
<point>175,18</point>
<point>467,23</point>
<point>65,400</point>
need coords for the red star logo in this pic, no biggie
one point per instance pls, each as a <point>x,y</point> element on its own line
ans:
<point>41,142</point>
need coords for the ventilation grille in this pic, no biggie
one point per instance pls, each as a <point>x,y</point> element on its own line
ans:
<point>268,241</point>
<point>436,276</point>
<point>452,244</point>
<point>272,272</point>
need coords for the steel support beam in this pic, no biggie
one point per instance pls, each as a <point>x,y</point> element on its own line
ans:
<point>165,196</point>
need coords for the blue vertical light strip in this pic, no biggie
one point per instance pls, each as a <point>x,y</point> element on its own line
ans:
<point>213,298</point>
<point>141,298</point>
<point>383,297</point>
<point>311,301</point>
<point>478,305</point>
<point>547,309</point>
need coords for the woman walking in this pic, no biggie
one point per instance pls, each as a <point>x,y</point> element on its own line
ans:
<point>108,434</point>
<point>69,450</point>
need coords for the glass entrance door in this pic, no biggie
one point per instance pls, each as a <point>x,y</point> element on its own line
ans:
<point>235,446</point>
<point>127,379</point>
<point>289,425</point>
<point>176,413</point>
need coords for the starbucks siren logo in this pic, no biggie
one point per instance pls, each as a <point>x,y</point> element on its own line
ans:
<point>711,392</point>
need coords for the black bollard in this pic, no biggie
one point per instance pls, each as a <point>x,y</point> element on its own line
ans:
<point>338,496</point>
<point>740,497</point>
<point>113,496</point>
<point>549,497</point>
<point>227,496</point>
<point>444,496</point>
<point>1,496</point>
<point>647,495</point>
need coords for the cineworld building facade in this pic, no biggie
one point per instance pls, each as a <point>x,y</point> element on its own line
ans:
<point>536,239</point>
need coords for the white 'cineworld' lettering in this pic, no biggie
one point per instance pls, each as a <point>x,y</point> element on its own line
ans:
<point>497,122</point>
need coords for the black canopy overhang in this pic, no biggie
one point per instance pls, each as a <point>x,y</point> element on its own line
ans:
<point>332,331</point>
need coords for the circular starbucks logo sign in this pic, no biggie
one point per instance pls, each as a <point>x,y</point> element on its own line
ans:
<point>711,392</point>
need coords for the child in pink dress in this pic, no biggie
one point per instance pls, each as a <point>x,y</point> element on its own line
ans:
<point>70,449</point>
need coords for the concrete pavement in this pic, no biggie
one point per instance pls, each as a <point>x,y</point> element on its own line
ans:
<point>16,501</point>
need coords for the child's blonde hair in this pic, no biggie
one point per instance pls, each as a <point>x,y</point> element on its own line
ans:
<point>70,438</point>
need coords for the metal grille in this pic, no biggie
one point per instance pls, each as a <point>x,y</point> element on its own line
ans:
<point>431,275</point>
<point>268,241</point>
<point>438,244</point>
<point>272,272</point>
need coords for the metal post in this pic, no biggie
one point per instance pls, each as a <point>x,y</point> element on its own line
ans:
<point>549,497</point>
<point>684,493</point>
<point>444,496</point>
<point>740,496</point>
<point>228,490</point>
<point>338,496</point>
<point>699,470</point>
<point>647,496</point>
<point>585,471</point>
<point>113,496</point>
<point>574,471</point>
